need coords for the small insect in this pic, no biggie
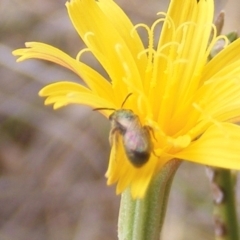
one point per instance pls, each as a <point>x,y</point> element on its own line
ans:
<point>136,138</point>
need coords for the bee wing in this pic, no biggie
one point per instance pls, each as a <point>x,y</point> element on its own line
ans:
<point>149,130</point>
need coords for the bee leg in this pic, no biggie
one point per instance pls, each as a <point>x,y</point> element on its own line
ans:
<point>113,136</point>
<point>150,129</point>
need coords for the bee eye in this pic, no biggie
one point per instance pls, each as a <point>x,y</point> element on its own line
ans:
<point>130,117</point>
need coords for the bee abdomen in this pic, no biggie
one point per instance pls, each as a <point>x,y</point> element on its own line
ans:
<point>138,158</point>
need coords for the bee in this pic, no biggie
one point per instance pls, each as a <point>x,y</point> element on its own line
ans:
<point>136,138</point>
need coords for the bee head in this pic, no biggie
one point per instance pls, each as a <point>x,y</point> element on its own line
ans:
<point>122,114</point>
<point>123,118</point>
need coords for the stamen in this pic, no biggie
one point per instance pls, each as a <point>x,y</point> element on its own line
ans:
<point>81,52</point>
<point>150,31</point>
<point>151,40</point>
<point>170,64</point>
<point>219,125</point>
<point>167,45</point>
<point>118,48</point>
<point>183,29</point>
<point>215,41</point>
<point>214,32</point>
<point>207,117</point>
<point>150,44</point>
<point>131,86</point>
<point>128,75</point>
<point>184,25</point>
<point>142,101</point>
<point>162,13</point>
<point>200,124</point>
<point>151,55</point>
<point>156,22</point>
<point>167,19</point>
<point>145,51</point>
<point>138,26</point>
<point>181,60</point>
<point>143,105</point>
<point>86,37</point>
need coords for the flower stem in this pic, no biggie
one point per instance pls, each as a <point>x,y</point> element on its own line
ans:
<point>142,219</point>
<point>225,218</point>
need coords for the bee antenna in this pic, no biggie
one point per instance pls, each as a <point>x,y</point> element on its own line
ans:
<point>97,109</point>
<point>113,109</point>
<point>126,99</point>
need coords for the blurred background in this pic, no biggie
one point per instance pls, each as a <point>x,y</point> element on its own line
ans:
<point>52,163</point>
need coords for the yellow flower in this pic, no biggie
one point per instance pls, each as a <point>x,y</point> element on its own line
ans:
<point>189,103</point>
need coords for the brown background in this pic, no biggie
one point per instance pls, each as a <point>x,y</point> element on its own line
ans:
<point>52,163</point>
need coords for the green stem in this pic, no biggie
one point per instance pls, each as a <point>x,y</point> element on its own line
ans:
<point>225,218</point>
<point>142,219</point>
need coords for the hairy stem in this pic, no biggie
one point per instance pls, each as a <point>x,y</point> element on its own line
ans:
<point>142,219</point>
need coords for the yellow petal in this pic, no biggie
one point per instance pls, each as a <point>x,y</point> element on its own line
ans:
<point>93,79</point>
<point>63,93</point>
<point>228,57</point>
<point>218,147</point>
<point>124,27</point>
<point>63,87</point>
<point>181,54</point>
<point>106,43</point>
<point>217,100</point>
